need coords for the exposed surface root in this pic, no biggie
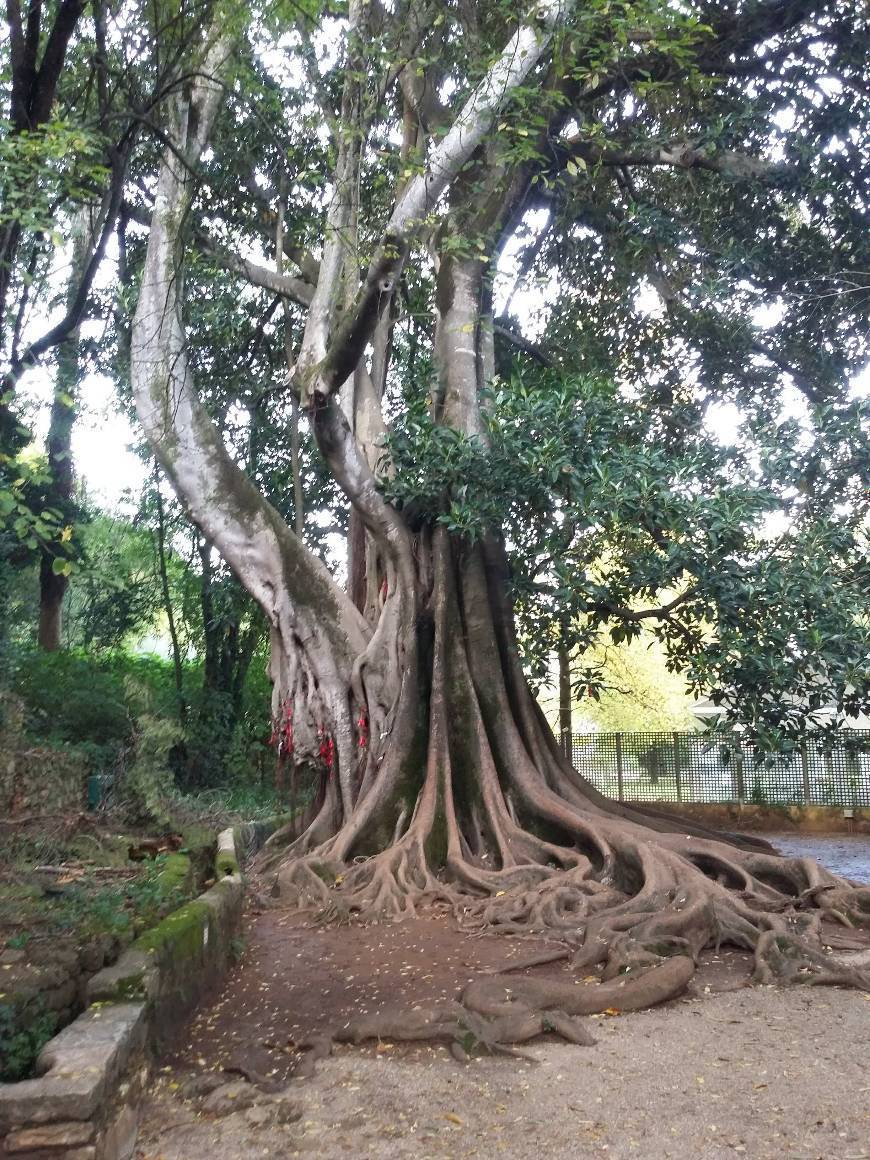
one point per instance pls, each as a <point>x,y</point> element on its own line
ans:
<point>639,922</point>
<point>493,1014</point>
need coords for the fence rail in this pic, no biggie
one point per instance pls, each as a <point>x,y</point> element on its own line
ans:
<point>829,770</point>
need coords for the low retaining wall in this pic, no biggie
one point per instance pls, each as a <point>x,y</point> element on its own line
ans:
<point>48,980</point>
<point>84,1103</point>
<point>801,819</point>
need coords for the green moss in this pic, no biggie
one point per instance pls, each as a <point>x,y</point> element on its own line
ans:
<point>131,987</point>
<point>175,872</point>
<point>107,850</point>
<point>225,864</point>
<point>180,931</point>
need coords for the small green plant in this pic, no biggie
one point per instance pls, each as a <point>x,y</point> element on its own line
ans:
<point>758,797</point>
<point>19,941</point>
<point>22,1036</point>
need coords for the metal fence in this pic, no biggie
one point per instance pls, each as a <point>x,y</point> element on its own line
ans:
<point>829,770</point>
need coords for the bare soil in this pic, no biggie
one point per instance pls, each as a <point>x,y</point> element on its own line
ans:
<point>727,1070</point>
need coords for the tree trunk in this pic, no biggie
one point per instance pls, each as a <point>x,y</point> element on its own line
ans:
<point>437,777</point>
<point>465,798</point>
<point>177,666</point>
<point>59,491</point>
<point>565,700</point>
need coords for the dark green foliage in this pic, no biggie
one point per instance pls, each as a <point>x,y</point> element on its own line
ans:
<point>760,583</point>
<point>21,1040</point>
<point>107,705</point>
<point>79,700</point>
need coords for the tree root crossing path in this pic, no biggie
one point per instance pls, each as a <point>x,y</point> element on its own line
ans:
<point>719,1068</point>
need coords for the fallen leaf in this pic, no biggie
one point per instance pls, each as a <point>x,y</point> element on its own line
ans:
<point>612,1011</point>
<point>453,1118</point>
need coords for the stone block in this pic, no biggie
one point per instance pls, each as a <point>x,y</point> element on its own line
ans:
<point>77,1067</point>
<point>63,1135</point>
<point>133,976</point>
<point>60,997</point>
<point>85,1152</point>
<point>119,1140</point>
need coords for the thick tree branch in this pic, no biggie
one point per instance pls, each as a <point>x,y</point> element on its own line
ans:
<point>522,53</point>
<point>608,608</point>
<point>286,285</point>
<point>680,155</point>
<point>294,589</point>
<point>503,330</point>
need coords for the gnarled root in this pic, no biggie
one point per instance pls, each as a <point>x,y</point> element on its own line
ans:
<point>495,997</point>
<point>494,1013</point>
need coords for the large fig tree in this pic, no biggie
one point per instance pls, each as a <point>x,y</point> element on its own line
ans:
<point>677,191</point>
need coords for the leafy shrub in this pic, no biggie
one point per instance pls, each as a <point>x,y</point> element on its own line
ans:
<point>22,1036</point>
<point>80,700</point>
<point>122,711</point>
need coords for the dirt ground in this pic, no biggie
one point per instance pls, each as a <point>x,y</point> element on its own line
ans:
<point>844,854</point>
<point>727,1070</point>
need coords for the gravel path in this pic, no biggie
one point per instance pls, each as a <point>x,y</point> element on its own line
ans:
<point>844,854</point>
<point>759,1072</point>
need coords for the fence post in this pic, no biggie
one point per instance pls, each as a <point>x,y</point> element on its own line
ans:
<point>805,769</point>
<point>677,770</point>
<point>738,773</point>
<point>619,768</point>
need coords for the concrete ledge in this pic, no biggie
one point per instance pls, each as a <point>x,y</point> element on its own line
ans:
<point>173,965</point>
<point>83,1105</point>
<point>747,816</point>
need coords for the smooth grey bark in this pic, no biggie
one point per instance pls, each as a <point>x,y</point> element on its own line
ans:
<point>317,634</point>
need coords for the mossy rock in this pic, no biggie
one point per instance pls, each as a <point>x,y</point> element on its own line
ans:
<point>176,872</point>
